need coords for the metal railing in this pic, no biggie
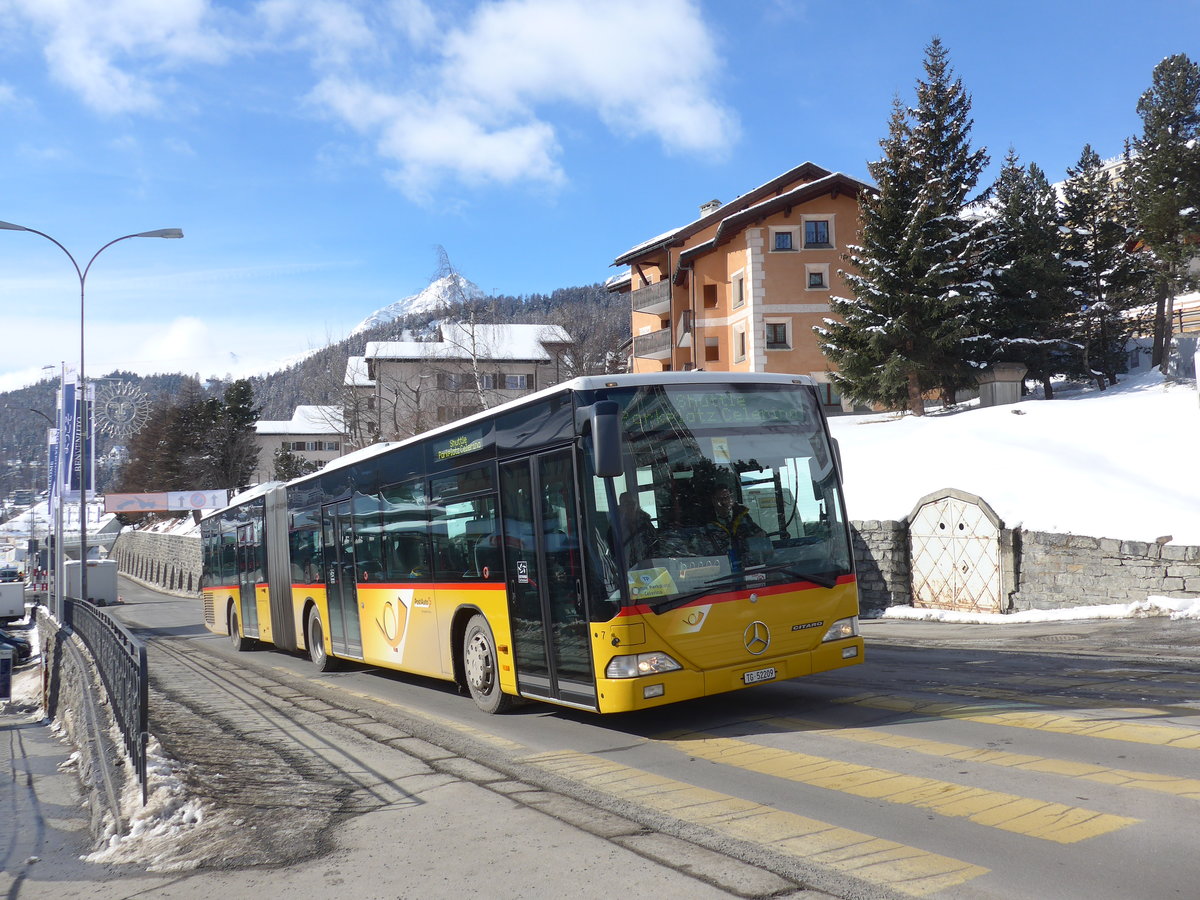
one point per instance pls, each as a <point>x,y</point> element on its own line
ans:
<point>121,661</point>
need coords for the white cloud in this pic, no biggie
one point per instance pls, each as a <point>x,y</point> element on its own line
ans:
<point>430,140</point>
<point>439,95</point>
<point>334,32</point>
<point>113,54</point>
<point>643,65</point>
<point>479,112</point>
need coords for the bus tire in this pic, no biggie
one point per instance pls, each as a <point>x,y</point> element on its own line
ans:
<point>236,639</point>
<point>314,633</point>
<point>482,668</point>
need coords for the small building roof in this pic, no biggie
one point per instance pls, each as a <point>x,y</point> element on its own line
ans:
<point>485,341</point>
<point>357,374</point>
<point>807,171</point>
<point>306,420</point>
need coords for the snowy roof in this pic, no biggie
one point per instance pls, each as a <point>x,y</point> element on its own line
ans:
<point>808,172</point>
<point>462,341</point>
<point>306,420</point>
<point>356,373</point>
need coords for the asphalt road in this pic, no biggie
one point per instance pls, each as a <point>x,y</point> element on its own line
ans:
<point>958,761</point>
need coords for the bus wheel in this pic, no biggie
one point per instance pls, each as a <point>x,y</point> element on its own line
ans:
<point>482,670</point>
<point>316,643</point>
<point>236,639</point>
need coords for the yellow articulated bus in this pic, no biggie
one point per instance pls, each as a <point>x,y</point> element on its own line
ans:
<point>612,543</point>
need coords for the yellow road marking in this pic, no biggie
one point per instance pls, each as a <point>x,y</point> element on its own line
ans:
<point>998,693</point>
<point>910,870</point>
<point>1022,815</point>
<point>1058,723</point>
<point>1143,781</point>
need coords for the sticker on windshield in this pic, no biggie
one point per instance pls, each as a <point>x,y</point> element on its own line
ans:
<point>720,450</point>
<point>646,584</point>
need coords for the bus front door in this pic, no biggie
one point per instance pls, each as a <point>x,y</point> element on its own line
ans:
<point>545,579</point>
<point>249,567</point>
<point>341,586</point>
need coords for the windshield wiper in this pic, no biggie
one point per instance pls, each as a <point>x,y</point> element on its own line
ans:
<point>739,579</point>
<point>820,579</point>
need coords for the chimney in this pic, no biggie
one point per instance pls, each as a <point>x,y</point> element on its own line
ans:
<point>710,206</point>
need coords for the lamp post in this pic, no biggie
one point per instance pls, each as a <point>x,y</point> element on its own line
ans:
<point>82,418</point>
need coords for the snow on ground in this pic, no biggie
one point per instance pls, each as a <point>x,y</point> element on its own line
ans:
<point>1142,609</point>
<point>1117,463</point>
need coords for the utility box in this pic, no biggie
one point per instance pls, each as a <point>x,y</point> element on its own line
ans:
<point>101,581</point>
<point>12,601</point>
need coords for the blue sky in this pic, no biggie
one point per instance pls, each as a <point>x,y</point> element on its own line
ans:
<point>316,152</point>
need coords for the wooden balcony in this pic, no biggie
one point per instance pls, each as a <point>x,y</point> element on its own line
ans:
<point>653,298</point>
<point>653,345</point>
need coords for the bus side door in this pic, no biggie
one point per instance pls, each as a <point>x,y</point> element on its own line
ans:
<point>341,584</point>
<point>544,573</point>
<point>249,572</point>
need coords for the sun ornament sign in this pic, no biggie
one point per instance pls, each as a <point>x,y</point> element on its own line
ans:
<point>121,410</point>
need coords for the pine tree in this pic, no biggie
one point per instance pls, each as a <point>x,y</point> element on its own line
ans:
<point>902,333</point>
<point>1107,281</point>
<point>233,452</point>
<point>1026,316</point>
<point>287,465</point>
<point>1165,178</point>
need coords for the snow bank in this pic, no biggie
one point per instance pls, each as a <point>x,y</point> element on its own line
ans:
<point>1106,464</point>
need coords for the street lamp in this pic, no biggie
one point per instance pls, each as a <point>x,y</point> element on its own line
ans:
<point>82,420</point>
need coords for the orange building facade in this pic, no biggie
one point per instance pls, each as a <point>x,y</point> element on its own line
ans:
<point>740,288</point>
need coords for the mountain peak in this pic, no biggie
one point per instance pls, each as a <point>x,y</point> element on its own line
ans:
<point>444,292</point>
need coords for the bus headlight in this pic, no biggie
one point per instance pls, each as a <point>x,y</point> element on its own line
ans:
<point>842,628</point>
<point>640,664</point>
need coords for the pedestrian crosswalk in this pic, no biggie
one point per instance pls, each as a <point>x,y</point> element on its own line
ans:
<point>997,809</point>
<point>1107,727</point>
<point>917,861</point>
<point>909,870</point>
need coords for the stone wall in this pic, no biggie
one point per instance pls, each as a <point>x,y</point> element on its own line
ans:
<point>881,562</point>
<point>1053,571</point>
<point>1059,570</point>
<point>166,562</point>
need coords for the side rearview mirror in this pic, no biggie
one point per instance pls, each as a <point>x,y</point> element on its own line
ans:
<point>606,438</point>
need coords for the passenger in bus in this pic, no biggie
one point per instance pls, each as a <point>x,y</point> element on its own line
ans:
<point>732,531</point>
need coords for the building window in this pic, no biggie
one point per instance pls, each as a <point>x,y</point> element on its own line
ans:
<point>331,445</point>
<point>816,277</point>
<point>739,291</point>
<point>829,394</point>
<point>487,382</point>
<point>783,240</point>
<point>777,336</point>
<point>816,233</point>
<point>739,342</point>
<point>516,382</point>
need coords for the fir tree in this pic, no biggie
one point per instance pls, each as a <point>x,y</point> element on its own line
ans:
<point>1165,177</point>
<point>902,334</point>
<point>233,453</point>
<point>1107,281</point>
<point>1027,314</point>
<point>287,465</point>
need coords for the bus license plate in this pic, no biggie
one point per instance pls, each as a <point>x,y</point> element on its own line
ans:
<point>758,675</point>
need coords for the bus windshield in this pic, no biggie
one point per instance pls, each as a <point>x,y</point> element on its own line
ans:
<point>725,487</point>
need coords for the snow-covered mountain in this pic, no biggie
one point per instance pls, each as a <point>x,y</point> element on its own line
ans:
<point>444,292</point>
